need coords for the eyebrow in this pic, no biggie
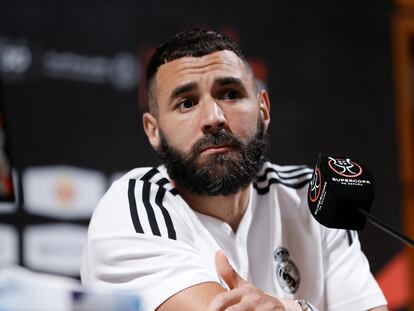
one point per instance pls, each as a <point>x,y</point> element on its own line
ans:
<point>178,91</point>
<point>228,80</point>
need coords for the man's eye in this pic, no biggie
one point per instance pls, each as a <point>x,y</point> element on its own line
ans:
<point>231,95</point>
<point>186,104</point>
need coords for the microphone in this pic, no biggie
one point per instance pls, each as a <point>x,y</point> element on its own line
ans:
<point>341,193</point>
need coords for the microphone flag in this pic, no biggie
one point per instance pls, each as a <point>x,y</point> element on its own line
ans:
<point>340,186</point>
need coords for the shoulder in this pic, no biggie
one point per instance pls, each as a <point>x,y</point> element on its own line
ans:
<point>151,175</point>
<point>143,202</point>
<point>141,238</point>
<point>284,176</point>
<point>284,188</point>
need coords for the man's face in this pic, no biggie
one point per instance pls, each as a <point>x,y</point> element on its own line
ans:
<point>210,120</point>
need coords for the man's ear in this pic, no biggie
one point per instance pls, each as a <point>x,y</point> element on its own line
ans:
<point>264,106</point>
<point>150,124</point>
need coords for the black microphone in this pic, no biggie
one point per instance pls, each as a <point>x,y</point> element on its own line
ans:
<point>341,193</point>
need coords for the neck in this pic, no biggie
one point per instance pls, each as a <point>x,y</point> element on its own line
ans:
<point>229,209</point>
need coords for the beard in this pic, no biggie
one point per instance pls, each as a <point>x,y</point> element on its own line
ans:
<point>217,174</point>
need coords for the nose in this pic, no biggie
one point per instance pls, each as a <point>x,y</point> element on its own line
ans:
<point>213,118</point>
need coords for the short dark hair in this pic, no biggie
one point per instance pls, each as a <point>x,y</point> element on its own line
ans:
<point>194,43</point>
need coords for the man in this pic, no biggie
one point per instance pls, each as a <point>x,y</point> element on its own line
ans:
<point>167,232</point>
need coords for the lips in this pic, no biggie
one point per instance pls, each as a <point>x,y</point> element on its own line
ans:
<point>216,149</point>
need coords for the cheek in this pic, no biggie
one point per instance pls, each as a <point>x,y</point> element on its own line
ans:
<point>244,123</point>
<point>179,134</point>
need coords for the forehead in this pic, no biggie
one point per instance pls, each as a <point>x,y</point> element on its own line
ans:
<point>200,69</point>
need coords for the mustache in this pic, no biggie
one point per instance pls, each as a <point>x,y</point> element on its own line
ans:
<point>216,139</point>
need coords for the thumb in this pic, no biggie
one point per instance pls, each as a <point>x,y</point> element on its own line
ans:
<point>226,271</point>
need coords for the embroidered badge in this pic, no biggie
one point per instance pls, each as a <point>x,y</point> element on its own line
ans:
<point>287,274</point>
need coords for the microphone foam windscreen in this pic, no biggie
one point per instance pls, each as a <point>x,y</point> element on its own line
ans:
<point>339,186</point>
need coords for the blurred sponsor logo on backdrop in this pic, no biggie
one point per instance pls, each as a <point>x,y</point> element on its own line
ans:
<point>15,58</point>
<point>6,207</point>
<point>8,246</point>
<point>121,70</point>
<point>55,248</point>
<point>10,206</point>
<point>63,192</point>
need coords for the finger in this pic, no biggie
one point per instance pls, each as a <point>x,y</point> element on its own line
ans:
<point>271,306</point>
<point>258,301</point>
<point>256,304</point>
<point>226,271</point>
<point>226,299</point>
<point>242,306</point>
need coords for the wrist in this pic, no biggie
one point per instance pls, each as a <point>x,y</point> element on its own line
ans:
<point>305,305</point>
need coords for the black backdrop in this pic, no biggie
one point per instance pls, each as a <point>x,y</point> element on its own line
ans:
<point>327,65</point>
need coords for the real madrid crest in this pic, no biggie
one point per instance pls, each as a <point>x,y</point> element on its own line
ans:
<point>287,274</point>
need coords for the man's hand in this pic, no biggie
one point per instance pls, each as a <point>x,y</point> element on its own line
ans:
<point>243,295</point>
